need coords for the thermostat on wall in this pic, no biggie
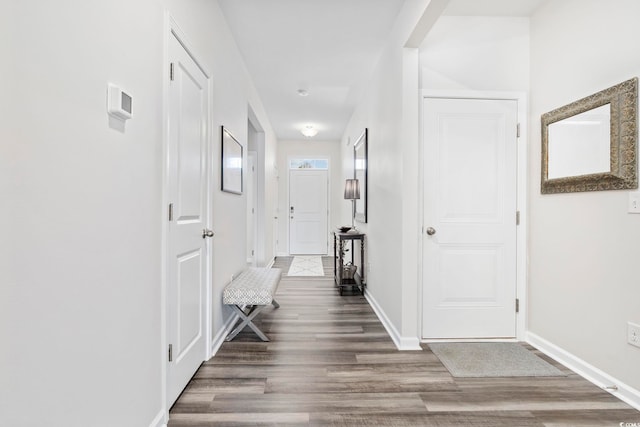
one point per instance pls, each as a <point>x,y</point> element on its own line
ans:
<point>119,102</point>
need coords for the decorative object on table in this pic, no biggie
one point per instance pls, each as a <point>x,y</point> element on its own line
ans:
<point>344,228</point>
<point>352,192</point>
<point>349,270</point>
<point>231,160</point>
<point>361,173</point>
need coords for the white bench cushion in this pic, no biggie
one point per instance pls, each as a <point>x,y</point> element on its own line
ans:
<point>254,286</point>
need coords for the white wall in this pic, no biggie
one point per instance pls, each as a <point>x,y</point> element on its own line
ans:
<point>583,280</point>
<point>476,53</point>
<point>389,110</point>
<point>309,149</point>
<point>80,294</point>
<point>381,112</point>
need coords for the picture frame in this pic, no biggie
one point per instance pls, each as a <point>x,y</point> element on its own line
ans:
<point>361,173</point>
<point>231,160</point>
<point>618,143</point>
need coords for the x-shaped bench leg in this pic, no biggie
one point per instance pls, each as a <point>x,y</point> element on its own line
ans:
<point>247,319</point>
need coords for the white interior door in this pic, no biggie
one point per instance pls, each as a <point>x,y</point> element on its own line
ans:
<point>188,260</point>
<point>308,212</point>
<point>469,288</point>
<point>252,184</point>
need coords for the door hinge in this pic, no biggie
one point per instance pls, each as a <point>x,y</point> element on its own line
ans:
<point>170,352</point>
<point>517,217</point>
<point>171,71</point>
<point>518,131</point>
<point>170,211</point>
<point>517,305</point>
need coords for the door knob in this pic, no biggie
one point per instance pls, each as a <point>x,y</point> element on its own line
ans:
<point>207,233</point>
<point>431,231</point>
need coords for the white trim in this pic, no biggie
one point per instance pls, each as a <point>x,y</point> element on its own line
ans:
<point>252,201</point>
<point>402,343</point>
<point>165,219</point>
<point>159,420</point>
<point>521,196</point>
<point>437,340</point>
<point>218,340</point>
<point>183,40</point>
<point>601,379</point>
<point>270,263</point>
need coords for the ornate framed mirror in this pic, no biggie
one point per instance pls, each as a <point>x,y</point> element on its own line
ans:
<point>591,144</point>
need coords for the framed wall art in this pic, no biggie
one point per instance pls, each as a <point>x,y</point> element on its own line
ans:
<point>360,167</point>
<point>231,160</point>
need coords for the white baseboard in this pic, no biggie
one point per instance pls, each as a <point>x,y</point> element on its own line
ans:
<point>603,380</point>
<point>218,340</point>
<point>402,343</point>
<point>159,420</point>
<point>270,264</point>
<point>448,340</point>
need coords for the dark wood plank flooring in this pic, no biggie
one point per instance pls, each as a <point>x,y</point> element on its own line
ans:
<point>331,362</point>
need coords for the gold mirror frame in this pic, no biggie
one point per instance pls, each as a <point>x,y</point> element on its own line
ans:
<point>623,173</point>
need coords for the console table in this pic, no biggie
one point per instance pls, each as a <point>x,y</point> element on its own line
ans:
<point>340,240</point>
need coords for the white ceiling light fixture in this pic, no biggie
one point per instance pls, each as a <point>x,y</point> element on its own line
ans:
<point>309,131</point>
<point>303,92</point>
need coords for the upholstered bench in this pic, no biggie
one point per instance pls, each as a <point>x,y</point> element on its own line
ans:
<point>249,293</point>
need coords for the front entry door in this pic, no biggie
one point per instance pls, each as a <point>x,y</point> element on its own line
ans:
<point>188,260</point>
<point>308,212</point>
<point>469,288</point>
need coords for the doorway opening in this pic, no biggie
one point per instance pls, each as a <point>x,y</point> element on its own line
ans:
<point>256,216</point>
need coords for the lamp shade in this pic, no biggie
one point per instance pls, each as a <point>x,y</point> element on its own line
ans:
<point>352,189</point>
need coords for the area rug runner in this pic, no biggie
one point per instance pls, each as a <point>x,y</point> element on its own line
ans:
<point>306,266</point>
<point>475,360</point>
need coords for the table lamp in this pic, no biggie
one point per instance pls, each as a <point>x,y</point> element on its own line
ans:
<point>352,192</point>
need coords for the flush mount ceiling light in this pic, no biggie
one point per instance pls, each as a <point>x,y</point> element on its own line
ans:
<point>302,92</point>
<point>309,131</point>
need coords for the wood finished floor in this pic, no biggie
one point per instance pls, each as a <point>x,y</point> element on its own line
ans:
<point>330,362</point>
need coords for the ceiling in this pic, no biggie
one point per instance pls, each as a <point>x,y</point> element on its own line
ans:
<point>326,48</point>
<point>492,7</point>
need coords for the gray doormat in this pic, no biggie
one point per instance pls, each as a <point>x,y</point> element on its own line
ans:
<point>502,359</point>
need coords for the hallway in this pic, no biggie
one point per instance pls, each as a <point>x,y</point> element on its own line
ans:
<point>331,362</point>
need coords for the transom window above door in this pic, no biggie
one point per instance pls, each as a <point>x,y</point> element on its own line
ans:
<point>322,164</point>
